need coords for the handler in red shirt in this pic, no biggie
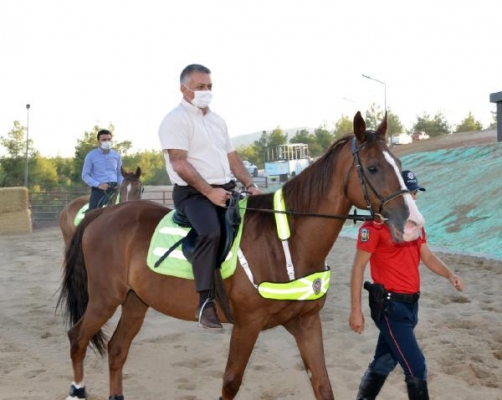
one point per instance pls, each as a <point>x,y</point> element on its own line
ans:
<point>394,301</point>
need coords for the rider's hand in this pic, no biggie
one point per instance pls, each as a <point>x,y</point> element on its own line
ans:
<point>103,186</point>
<point>253,190</point>
<point>219,196</point>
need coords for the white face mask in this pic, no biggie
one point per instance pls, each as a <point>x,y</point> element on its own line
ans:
<point>106,145</point>
<point>202,98</point>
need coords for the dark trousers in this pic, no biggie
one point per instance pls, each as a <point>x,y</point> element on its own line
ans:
<point>101,197</point>
<point>397,342</point>
<point>204,218</point>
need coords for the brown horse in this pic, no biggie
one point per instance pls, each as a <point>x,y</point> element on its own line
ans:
<point>100,275</point>
<point>130,189</point>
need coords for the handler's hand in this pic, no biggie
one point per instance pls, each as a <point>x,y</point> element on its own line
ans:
<point>103,186</point>
<point>457,282</point>
<point>356,321</point>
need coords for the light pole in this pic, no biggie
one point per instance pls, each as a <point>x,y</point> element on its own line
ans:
<point>27,141</point>
<point>384,90</point>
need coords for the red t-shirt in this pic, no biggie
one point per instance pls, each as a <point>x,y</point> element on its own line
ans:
<point>394,265</point>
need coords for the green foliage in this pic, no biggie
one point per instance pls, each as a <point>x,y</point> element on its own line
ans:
<point>323,140</point>
<point>276,137</point>
<point>493,124</point>
<point>14,161</point>
<point>249,153</point>
<point>65,173</point>
<point>152,164</point>
<point>343,126</point>
<point>394,125</point>
<point>435,126</point>
<point>374,117</point>
<point>469,124</point>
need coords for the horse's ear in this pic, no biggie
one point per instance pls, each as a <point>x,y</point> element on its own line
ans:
<point>138,172</point>
<point>122,171</point>
<point>359,126</point>
<point>382,128</point>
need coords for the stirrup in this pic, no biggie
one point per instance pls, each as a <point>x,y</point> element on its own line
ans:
<point>208,300</point>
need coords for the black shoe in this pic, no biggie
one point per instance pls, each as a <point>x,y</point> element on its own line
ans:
<point>208,318</point>
<point>417,388</point>
<point>370,386</point>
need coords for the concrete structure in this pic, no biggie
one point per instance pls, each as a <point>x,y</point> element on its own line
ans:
<point>497,99</point>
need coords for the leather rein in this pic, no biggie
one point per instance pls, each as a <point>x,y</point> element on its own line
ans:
<point>365,183</point>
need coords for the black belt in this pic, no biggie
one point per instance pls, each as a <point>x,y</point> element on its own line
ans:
<point>403,297</point>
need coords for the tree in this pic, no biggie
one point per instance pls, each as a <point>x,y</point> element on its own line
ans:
<point>469,124</point>
<point>394,125</point>
<point>13,163</point>
<point>152,164</point>
<point>373,117</point>
<point>436,126</point>
<point>277,137</point>
<point>260,148</point>
<point>343,126</point>
<point>324,139</point>
<point>493,124</point>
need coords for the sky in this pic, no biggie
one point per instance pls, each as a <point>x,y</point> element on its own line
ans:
<point>274,63</point>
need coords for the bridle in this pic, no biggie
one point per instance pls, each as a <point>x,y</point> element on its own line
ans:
<point>365,183</point>
<point>377,217</point>
<point>131,179</point>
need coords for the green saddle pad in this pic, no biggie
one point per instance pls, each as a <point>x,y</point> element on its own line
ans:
<point>80,215</point>
<point>167,233</point>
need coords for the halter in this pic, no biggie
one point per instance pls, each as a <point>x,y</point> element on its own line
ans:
<point>133,178</point>
<point>365,183</point>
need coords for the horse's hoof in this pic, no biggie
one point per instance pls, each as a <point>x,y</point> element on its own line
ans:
<point>77,393</point>
<point>116,397</point>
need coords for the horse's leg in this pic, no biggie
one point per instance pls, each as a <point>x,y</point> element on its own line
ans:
<point>95,316</point>
<point>307,331</point>
<point>242,343</point>
<point>131,320</point>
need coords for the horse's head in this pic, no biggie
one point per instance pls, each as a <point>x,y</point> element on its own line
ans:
<point>131,187</point>
<point>380,187</point>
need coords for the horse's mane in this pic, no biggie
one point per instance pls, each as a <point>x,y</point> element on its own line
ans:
<point>306,190</point>
<point>302,192</point>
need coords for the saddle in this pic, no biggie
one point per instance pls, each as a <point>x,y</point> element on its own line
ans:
<point>229,223</point>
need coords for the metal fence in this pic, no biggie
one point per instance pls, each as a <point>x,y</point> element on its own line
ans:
<point>47,205</point>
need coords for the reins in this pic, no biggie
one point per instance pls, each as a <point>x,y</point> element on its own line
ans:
<point>365,183</point>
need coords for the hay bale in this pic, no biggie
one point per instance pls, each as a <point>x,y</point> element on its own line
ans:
<point>13,199</point>
<point>15,222</point>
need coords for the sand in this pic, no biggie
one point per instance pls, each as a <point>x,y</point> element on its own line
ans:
<point>461,335</point>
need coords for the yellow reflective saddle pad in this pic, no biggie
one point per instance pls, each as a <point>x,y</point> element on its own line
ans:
<point>80,215</point>
<point>167,233</point>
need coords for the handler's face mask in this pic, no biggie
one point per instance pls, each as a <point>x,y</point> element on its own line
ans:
<point>202,98</point>
<point>106,145</point>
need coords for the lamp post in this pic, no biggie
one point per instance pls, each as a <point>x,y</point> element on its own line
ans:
<point>27,141</point>
<point>384,90</point>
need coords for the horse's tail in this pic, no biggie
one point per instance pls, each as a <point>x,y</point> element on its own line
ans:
<point>221,295</point>
<point>73,296</point>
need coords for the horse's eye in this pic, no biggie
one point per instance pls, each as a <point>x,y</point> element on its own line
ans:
<point>372,170</point>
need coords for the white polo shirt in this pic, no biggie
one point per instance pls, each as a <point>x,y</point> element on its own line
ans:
<point>204,138</point>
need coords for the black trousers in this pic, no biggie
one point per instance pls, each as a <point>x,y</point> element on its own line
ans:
<point>100,197</point>
<point>204,218</point>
